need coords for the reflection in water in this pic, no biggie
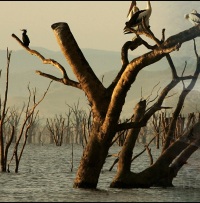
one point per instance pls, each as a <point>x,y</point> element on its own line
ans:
<point>45,175</point>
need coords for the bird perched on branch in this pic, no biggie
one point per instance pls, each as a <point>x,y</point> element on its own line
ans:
<point>25,38</point>
<point>133,9</point>
<point>193,17</point>
<point>136,18</point>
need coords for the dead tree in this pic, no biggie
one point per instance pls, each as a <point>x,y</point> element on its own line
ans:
<point>3,114</point>
<point>68,126</point>
<point>107,103</point>
<point>57,128</point>
<point>156,123</point>
<point>78,123</point>
<point>14,119</point>
<point>29,119</point>
<point>34,130</point>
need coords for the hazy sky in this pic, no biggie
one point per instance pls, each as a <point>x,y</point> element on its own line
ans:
<point>94,24</point>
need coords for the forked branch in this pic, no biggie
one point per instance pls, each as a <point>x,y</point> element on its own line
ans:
<point>65,79</point>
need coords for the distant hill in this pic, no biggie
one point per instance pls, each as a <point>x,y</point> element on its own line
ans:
<point>104,63</point>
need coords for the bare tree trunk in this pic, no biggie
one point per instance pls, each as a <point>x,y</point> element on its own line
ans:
<point>125,155</point>
<point>3,113</point>
<point>93,159</point>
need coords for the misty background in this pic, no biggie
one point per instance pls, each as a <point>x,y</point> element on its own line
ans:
<point>98,29</point>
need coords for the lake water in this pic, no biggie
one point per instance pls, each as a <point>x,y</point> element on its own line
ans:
<point>45,176</point>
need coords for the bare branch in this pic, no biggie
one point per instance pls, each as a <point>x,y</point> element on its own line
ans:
<point>65,80</point>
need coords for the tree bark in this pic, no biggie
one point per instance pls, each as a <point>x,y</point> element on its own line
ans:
<point>125,157</point>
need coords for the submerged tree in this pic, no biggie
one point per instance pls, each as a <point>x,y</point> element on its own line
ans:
<point>4,146</point>
<point>56,126</point>
<point>107,103</point>
<point>9,122</point>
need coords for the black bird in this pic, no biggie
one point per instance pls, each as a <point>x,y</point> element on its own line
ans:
<point>25,38</point>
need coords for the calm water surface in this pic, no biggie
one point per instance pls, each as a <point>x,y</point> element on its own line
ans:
<point>45,175</point>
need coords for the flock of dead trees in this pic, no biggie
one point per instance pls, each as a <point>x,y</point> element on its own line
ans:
<point>73,127</point>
